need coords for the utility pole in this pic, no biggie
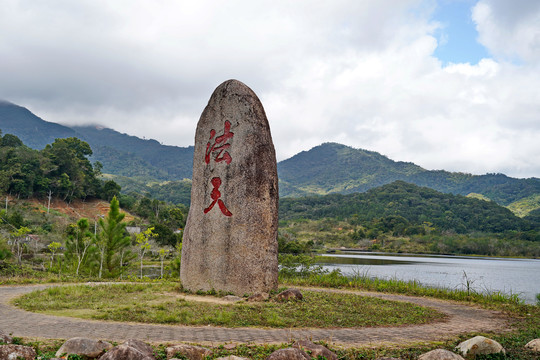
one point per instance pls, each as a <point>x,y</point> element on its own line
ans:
<point>49,203</point>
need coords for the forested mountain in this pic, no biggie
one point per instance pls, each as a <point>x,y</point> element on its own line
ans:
<point>406,208</point>
<point>335,168</point>
<point>33,131</point>
<point>120,154</point>
<point>143,157</point>
<point>325,169</point>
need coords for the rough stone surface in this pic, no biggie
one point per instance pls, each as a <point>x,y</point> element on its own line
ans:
<point>288,354</point>
<point>85,347</point>
<point>141,346</point>
<point>479,345</point>
<point>16,352</point>
<point>189,351</point>
<point>5,339</point>
<point>533,345</point>
<point>289,294</point>
<point>440,354</point>
<point>314,350</point>
<point>231,357</point>
<point>126,352</point>
<point>230,238</point>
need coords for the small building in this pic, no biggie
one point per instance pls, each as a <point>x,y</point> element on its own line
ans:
<point>133,229</point>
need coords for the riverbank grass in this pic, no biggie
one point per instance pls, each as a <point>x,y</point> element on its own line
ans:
<point>163,303</point>
<point>302,271</point>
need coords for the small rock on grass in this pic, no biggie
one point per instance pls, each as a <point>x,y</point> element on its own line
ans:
<point>288,354</point>
<point>11,351</point>
<point>534,345</point>
<point>289,294</point>
<point>189,351</point>
<point>314,350</point>
<point>84,347</point>
<point>440,354</point>
<point>233,298</point>
<point>479,345</point>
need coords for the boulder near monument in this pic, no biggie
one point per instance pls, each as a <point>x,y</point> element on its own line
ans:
<point>230,239</point>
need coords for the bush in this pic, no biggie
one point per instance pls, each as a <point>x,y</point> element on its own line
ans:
<point>5,253</point>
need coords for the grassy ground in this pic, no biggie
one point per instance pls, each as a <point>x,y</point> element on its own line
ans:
<point>162,303</point>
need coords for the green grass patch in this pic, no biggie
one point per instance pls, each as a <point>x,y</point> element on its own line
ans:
<point>162,303</point>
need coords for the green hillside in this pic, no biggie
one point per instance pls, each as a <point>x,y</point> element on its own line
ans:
<point>335,168</point>
<point>120,154</point>
<point>524,206</point>
<point>162,162</point>
<point>32,130</point>
<point>407,207</point>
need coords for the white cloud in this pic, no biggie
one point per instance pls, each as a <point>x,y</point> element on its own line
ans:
<point>509,29</point>
<point>356,72</point>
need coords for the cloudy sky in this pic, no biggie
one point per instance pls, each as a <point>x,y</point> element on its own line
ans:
<point>446,84</point>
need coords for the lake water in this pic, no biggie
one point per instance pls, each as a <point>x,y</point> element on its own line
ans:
<point>516,276</point>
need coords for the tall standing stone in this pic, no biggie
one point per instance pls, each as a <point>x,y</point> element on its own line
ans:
<point>230,239</point>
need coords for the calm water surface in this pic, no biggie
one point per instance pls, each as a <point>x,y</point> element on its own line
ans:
<point>516,276</point>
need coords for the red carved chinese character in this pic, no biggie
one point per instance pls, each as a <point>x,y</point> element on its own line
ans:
<point>219,146</point>
<point>215,195</point>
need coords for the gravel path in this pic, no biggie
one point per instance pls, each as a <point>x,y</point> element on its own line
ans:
<point>461,319</point>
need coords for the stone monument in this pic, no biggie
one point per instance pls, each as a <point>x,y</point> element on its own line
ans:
<point>230,239</point>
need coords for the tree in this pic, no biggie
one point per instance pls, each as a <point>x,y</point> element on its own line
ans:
<point>164,235</point>
<point>10,140</point>
<point>177,260</point>
<point>113,238</point>
<point>79,241</point>
<point>162,254</point>
<point>143,245</point>
<point>4,249</point>
<point>70,165</point>
<point>110,189</point>
<point>19,242</point>
<point>53,248</point>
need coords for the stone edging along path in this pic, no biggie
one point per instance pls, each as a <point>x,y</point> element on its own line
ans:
<point>461,319</point>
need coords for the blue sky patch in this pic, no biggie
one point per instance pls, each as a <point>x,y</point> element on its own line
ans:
<point>457,39</point>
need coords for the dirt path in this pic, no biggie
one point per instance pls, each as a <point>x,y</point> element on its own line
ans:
<point>461,319</point>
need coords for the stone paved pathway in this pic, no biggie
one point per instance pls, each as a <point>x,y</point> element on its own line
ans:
<point>461,319</point>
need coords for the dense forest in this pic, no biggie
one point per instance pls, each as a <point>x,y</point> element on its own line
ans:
<point>405,209</point>
<point>61,169</point>
<point>405,218</point>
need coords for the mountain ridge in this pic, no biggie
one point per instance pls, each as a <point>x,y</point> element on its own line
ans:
<point>325,169</point>
<point>336,168</point>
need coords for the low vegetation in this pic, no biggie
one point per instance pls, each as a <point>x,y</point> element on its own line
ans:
<point>401,217</point>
